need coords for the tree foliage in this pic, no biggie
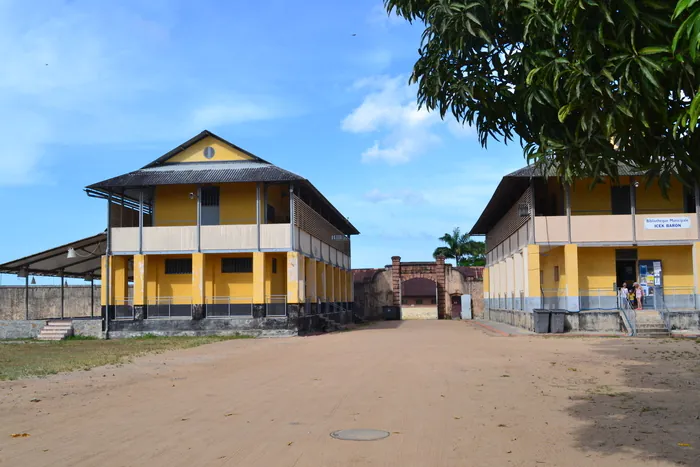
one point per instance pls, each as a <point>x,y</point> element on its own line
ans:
<point>584,85</point>
<point>461,248</point>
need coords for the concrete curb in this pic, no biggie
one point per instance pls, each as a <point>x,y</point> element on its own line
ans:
<point>492,329</point>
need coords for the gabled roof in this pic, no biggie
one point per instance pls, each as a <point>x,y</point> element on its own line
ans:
<point>191,142</point>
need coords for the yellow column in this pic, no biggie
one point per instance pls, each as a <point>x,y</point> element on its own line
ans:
<point>321,281</point>
<point>342,283</point>
<point>120,279</point>
<point>533,277</point>
<point>571,276</point>
<point>103,281</point>
<point>295,274</point>
<point>696,272</point>
<point>198,278</point>
<point>258,278</point>
<point>310,280</point>
<point>140,264</point>
<point>330,290</point>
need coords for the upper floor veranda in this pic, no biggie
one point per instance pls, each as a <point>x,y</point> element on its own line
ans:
<point>211,196</point>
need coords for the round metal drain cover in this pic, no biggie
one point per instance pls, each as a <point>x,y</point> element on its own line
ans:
<point>360,435</point>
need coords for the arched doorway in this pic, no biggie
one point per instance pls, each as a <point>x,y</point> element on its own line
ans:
<point>419,299</point>
<point>433,271</point>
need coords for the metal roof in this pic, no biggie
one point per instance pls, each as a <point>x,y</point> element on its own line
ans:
<point>511,188</point>
<point>200,172</point>
<point>50,262</point>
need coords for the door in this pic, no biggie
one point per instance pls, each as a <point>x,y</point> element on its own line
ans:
<point>210,205</point>
<point>456,301</point>
<point>620,199</point>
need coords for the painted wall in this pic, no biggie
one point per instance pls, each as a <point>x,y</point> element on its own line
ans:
<point>222,152</point>
<point>276,283</point>
<point>650,200</point>
<point>676,263</point>
<point>278,197</point>
<point>237,203</point>
<point>588,199</point>
<point>548,261</point>
<point>219,284</point>
<point>173,205</point>
<point>596,269</point>
<point>159,284</point>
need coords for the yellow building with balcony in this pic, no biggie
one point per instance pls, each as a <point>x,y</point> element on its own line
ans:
<point>552,246</point>
<point>211,238</point>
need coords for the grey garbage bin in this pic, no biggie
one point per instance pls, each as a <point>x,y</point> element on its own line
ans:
<point>557,321</point>
<point>541,321</point>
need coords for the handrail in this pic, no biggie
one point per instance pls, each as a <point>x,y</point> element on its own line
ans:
<point>629,315</point>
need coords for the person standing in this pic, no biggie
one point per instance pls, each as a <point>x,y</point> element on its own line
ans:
<point>638,295</point>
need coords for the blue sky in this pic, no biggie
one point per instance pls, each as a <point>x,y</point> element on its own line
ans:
<point>89,90</point>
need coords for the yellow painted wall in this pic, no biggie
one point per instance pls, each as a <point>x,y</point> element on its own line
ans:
<point>596,269</point>
<point>234,284</point>
<point>161,285</point>
<point>487,284</point>
<point>222,152</point>
<point>651,201</point>
<point>237,203</point>
<point>330,289</point>
<point>676,262</point>
<point>587,200</point>
<point>276,283</point>
<point>173,205</point>
<point>548,260</point>
<point>139,274</point>
<point>337,284</point>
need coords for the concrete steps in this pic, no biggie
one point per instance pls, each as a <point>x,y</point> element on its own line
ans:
<point>650,324</point>
<point>56,330</point>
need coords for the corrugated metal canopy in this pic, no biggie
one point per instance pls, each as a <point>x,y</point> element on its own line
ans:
<point>50,262</point>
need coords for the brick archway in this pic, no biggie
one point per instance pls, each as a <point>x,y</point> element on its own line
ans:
<point>435,271</point>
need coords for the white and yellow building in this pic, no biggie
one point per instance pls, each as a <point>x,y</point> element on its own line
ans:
<point>571,247</point>
<point>212,234</point>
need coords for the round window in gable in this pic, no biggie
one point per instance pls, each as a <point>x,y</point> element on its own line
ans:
<point>209,152</point>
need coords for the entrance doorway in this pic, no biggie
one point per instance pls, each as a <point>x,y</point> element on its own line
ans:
<point>210,205</point>
<point>456,301</point>
<point>625,266</point>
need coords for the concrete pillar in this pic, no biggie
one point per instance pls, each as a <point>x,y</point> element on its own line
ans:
<point>396,279</point>
<point>259,278</point>
<point>533,294</point>
<point>440,276</point>
<point>120,279</point>
<point>311,292</point>
<point>198,260</point>
<point>571,276</point>
<point>295,278</point>
<point>330,286</point>
<point>140,265</point>
<point>696,273</point>
<point>103,281</point>
<point>337,284</point>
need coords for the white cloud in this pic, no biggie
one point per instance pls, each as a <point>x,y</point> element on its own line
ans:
<point>390,107</point>
<point>227,111</point>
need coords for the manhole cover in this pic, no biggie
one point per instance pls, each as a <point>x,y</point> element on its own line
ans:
<point>360,435</point>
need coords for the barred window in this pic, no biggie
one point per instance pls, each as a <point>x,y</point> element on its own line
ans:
<point>178,266</point>
<point>233,265</point>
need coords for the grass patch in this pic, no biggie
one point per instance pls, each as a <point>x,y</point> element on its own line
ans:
<point>42,358</point>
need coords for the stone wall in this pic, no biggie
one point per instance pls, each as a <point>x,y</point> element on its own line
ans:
<point>88,328</point>
<point>257,327</point>
<point>589,321</point>
<point>45,302</point>
<point>685,321</point>
<point>14,329</point>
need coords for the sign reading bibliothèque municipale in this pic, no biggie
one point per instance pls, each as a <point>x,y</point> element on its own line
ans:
<point>655,223</point>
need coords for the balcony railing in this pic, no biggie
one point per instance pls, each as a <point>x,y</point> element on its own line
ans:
<point>616,228</point>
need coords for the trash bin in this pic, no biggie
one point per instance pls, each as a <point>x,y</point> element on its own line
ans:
<point>557,321</point>
<point>541,321</point>
<point>391,313</point>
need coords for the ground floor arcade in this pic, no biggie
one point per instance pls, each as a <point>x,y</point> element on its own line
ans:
<point>577,278</point>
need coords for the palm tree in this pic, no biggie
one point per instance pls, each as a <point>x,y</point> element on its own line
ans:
<point>461,248</point>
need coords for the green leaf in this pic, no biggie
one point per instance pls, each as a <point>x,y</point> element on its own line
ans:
<point>654,50</point>
<point>564,112</point>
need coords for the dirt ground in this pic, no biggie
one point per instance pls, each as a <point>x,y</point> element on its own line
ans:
<point>450,393</point>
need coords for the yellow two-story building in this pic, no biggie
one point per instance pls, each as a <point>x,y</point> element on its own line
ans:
<point>211,238</point>
<point>571,248</point>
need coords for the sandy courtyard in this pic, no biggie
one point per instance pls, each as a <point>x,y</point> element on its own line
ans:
<point>450,393</point>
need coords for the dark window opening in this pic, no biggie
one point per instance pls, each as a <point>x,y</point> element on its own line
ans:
<point>274,265</point>
<point>234,265</point>
<point>210,195</point>
<point>404,301</point>
<point>689,200</point>
<point>620,199</point>
<point>556,273</point>
<point>433,301</point>
<point>419,301</point>
<point>178,266</point>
